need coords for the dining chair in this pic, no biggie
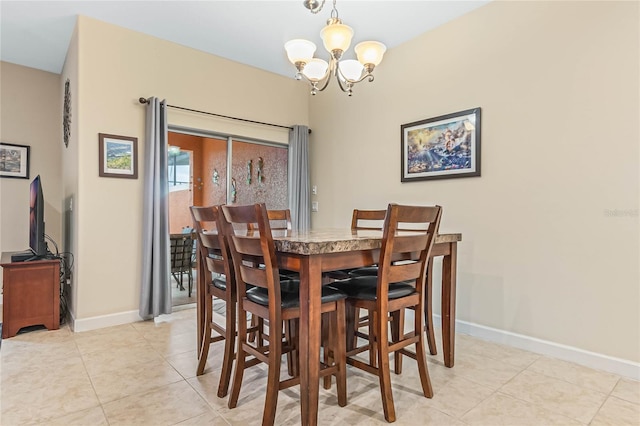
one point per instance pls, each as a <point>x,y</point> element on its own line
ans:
<point>408,236</point>
<point>279,220</point>
<point>372,220</point>
<point>219,282</point>
<point>181,263</point>
<point>275,300</point>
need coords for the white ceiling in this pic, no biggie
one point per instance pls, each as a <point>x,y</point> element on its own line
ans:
<point>37,33</point>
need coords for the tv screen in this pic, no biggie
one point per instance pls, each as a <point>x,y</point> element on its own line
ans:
<point>37,243</point>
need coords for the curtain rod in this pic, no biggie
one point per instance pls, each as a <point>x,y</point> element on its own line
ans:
<point>145,101</point>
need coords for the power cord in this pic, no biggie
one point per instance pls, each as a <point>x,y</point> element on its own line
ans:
<point>66,268</point>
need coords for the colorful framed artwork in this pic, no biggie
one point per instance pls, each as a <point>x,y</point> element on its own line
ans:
<point>442,147</point>
<point>118,156</point>
<point>14,161</point>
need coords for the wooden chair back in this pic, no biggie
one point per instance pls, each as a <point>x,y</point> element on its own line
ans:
<point>408,236</point>
<point>213,250</point>
<point>279,220</point>
<point>366,219</point>
<point>253,251</point>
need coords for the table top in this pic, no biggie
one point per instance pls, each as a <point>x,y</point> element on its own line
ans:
<point>334,240</point>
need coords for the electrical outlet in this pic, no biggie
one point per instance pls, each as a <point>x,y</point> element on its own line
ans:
<point>314,206</point>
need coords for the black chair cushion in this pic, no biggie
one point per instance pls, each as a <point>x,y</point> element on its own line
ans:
<point>290,295</point>
<point>220,282</point>
<point>365,288</point>
<point>364,272</point>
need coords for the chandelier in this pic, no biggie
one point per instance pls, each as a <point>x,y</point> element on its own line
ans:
<point>336,38</point>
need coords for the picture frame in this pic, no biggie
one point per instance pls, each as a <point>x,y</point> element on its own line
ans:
<point>14,160</point>
<point>443,147</point>
<point>118,156</point>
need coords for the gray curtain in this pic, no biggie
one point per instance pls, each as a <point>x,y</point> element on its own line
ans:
<point>155,293</point>
<point>299,187</point>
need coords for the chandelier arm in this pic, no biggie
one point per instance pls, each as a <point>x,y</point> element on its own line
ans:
<point>338,74</point>
<point>330,70</point>
<point>368,74</point>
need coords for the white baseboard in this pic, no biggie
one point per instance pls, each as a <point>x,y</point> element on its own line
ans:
<point>589,359</point>
<point>93,323</point>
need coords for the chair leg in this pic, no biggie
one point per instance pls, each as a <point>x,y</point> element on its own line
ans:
<point>384,372</point>
<point>428,310</point>
<point>240,360</point>
<point>229,348</point>
<point>328,344</point>
<point>295,339</point>
<point>339,353</point>
<point>373,337</point>
<point>397,332</point>
<point>253,334</point>
<point>421,359</point>
<point>290,335</point>
<point>351,326</point>
<point>206,336</point>
<point>260,334</point>
<point>273,376</point>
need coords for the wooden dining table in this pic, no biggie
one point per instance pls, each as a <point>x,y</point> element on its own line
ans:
<point>317,251</point>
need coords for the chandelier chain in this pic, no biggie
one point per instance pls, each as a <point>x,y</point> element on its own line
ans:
<point>334,10</point>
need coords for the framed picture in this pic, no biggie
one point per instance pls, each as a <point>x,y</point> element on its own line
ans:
<point>118,156</point>
<point>14,161</point>
<point>441,147</point>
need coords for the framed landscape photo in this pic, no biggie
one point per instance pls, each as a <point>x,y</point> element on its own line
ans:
<point>441,147</point>
<point>118,156</point>
<point>14,161</point>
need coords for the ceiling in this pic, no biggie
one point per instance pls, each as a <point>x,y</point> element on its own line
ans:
<point>37,33</point>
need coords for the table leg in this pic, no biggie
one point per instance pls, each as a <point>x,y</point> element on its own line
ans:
<point>309,335</point>
<point>449,266</point>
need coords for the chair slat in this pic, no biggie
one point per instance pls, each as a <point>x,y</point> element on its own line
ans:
<point>249,246</point>
<point>254,276</point>
<point>407,244</point>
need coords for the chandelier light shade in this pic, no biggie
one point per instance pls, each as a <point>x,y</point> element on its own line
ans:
<point>336,38</point>
<point>299,50</point>
<point>315,69</point>
<point>370,52</point>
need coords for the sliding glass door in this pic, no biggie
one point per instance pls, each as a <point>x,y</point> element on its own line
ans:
<point>210,170</point>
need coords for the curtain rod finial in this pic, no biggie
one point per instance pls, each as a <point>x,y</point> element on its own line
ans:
<point>142,100</point>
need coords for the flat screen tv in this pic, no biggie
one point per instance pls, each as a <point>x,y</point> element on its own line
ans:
<point>37,242</point>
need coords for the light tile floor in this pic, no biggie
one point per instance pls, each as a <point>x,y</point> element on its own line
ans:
<point>144,374</point>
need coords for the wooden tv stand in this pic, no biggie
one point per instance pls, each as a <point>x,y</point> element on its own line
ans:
<point>31,294</point>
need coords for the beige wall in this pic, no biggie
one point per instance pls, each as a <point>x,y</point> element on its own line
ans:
<point>558,83</point>
<point>115,67</point>
<point>31,114</point>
